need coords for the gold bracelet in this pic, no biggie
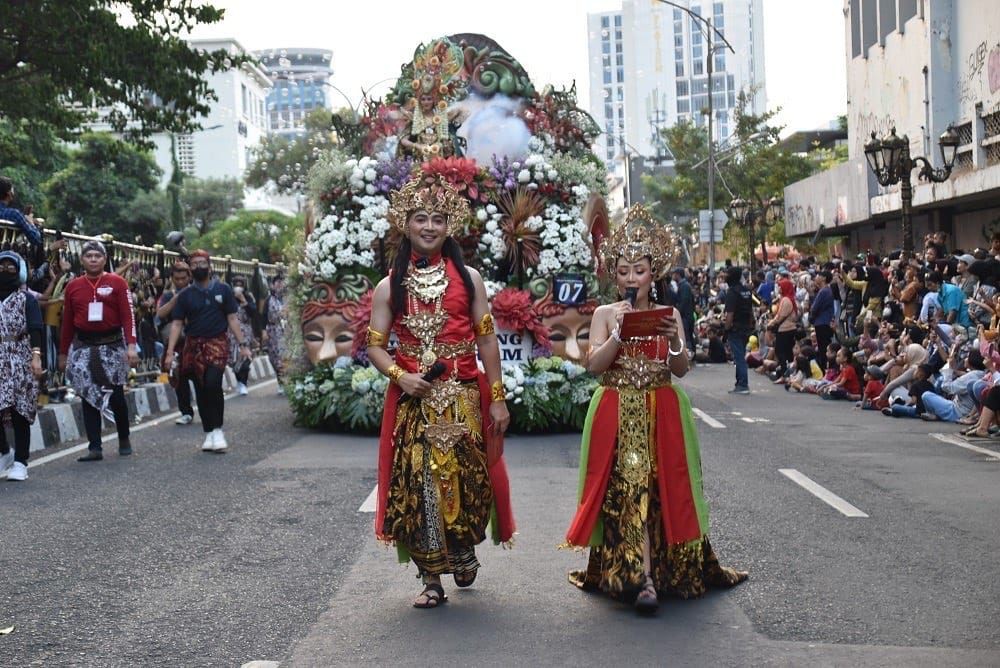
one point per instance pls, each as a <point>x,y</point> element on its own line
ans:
<point>376,338</point>
<point>394,373</point>
<point>497,391</point>
<point>485,326</point>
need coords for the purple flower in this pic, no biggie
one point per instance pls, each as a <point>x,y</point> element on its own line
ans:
<point>393,174</point>
<point>504,173</point>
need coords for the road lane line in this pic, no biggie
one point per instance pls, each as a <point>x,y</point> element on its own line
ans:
<point>955,440</point>
<point>822,493</point>
<point>110,438</point>
<point>369,505</point>
<point>708,419</point>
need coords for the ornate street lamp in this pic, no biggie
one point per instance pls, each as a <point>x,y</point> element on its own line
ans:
<point>890,161</point>
<point>748,214</point>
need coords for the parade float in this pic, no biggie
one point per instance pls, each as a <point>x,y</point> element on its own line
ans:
<point>463,112</point>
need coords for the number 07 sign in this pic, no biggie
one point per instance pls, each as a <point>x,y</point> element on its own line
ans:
<point>569,289</point>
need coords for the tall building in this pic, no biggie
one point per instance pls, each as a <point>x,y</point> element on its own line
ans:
<point>301,84</point>
<point>917,66</point>
<point>648,70</point>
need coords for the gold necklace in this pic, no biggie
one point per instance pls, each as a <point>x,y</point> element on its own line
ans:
<point>426,286</point>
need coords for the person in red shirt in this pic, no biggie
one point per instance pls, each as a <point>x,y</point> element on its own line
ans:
<point>846,385</point>
<point>97,347</point>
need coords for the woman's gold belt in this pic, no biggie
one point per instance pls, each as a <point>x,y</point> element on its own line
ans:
<point>441,350</point>
<point>638,373</point>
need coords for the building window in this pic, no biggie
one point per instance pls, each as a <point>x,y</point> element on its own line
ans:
<point>678,40</point>
<point>907,10</point>
<point>720,62</point>
<point>732,99</point>
<point>621,94</point>
<point>717,8</point>
<point>621,74</point>
<point>696,35</point>
<point>606,60</point>
<point>682,88</point>
<point>869,25</point>
<point>607,76</point>
<point>698,66</point>
<point>605,21</point>
<point>618,47</point>
<point>608,110</point>
<point>679,69</point>
<point>618,20</point>
<point>886,18</point>
<point>677,15</point>
<point>618,35</point>
<point>683,106</point>
<point>607,93</point>
<point>606,47</point>
<point>245,97</point>
<point>620,60</point>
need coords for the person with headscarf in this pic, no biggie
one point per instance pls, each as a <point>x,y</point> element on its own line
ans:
<point>204,311</point>
<point>913,356</point>
<point>784,324</point>
<point>765,291</point>
<point>20,361</point>
<point>246,314</point>
<point>273,315</point>
<point>97,346</point>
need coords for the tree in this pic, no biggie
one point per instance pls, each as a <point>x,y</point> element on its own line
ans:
<point>285,161</point>
<point>30,154</point>
<point>756,169</point>
<point>264,235</point>
<point>94,193</point>
<point>205,201</point>
<point>149,216</point>
<point>60,60</point>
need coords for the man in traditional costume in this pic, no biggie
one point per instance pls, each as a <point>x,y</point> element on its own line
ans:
<point>99,324</point>
<point>441,473</point>
<point>205,310</point>
<point>20,361</point>
<point>641,507</point>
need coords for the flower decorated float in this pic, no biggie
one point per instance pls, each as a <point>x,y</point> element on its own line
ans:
<point>464,113</point>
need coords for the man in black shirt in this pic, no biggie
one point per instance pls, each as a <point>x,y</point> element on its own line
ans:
<point>739,326</point>
<point>180,277</point>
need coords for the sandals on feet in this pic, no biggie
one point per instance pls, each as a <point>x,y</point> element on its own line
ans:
<point>466,579</point>
<point>433,595</point>
<point>646,603</point>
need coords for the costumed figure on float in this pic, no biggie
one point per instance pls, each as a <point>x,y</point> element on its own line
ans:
<point>441,473</point>
<point>641,508</point>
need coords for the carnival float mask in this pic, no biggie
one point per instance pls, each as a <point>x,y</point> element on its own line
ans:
<point>328,318</point>
<point>570,334</point>
<point>327,337</point>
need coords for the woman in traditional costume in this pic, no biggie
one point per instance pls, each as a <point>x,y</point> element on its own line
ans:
<point>641,508</point>
<point>441,475</point>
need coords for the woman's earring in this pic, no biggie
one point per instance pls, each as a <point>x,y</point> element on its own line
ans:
<point>652,291</point>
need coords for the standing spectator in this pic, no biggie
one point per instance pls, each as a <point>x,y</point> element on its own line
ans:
<point>51,302</point>
<point>21,357</point>
<point>205,310</point>
<point>247,316</point>
<point>180,277</point>
<point>821,316</point>
<point>685,304</point>
<point>273,316</point>
<point>765,291</point>
<point>739,326</point>
<point>783,325</point>
<point>26,224</point>
<point>99,323</point>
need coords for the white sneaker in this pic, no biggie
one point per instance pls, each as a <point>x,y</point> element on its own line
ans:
<point>17,472</point>
<point>281,390</point>
<point>241,389</point>
<point>209,444</point>
<point>6,460</point>
<point>184,419</point>
<point>220,441</point>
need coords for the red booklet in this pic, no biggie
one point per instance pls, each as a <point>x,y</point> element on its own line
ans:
<point>639,324</point>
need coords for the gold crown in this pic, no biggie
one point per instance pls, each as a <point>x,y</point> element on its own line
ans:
<point>420,196</point>
<point>640,236</point>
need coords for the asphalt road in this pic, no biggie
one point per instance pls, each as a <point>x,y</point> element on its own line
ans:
<point>178,558</point>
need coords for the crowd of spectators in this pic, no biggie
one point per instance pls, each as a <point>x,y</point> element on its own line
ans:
<point>912,337</point>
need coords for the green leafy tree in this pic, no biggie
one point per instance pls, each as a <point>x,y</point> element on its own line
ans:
<point>755,169</point>
<point>60,60</point>
<point>205,201</point>
<point>285,161</point>
<point>264,235</point>
<point>95,191</point>
<point>30,154</point>
<point>149,217</point>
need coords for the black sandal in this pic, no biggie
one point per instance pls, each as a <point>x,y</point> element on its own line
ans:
<point>434,593</point>
<point>466,579</point>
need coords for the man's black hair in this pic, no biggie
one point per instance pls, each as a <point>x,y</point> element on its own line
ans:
<point>6,186</point>
<point>734,275</point>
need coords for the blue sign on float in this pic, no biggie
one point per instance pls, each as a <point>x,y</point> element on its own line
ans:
<point>569,289</point>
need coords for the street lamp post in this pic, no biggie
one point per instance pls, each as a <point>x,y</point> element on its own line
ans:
<point>747,214</point>
<point>890,161</point>
<point>708,30</point>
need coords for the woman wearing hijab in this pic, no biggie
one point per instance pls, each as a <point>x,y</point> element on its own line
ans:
<point>20,361</point>
<point>784,324</point>
<point>914,355</point>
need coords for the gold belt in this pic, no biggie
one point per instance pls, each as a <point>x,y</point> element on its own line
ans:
<point>637,373</point>
<point>441,350</point>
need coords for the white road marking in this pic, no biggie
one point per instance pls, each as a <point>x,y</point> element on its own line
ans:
<point>369,505</point>
<point>737,413</point>
<point>110,438</point>
<point>708,419</point>
<point>822,493</point>
<point>957,440</point>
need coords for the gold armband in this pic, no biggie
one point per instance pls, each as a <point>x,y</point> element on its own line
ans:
<point>377,338</point>
<point>394,372</point>
<point>497,392</point>
<point>485,326</point>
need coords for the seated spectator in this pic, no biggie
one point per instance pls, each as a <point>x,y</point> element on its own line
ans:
<point>813,385</point>
<point>846,385</point>
<point>913,356</point>
<point>8,213</point>
<point>873,388</point>
<point>914,405</point>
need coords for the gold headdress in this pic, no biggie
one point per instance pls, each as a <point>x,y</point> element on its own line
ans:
<point>638,237</point>
<point>420,196</point>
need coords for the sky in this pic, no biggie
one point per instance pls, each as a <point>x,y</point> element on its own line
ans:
<point>805,67</point>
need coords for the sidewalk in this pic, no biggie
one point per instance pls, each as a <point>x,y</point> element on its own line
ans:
<point>61,424</point>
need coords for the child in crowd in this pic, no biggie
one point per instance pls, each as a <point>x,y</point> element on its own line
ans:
<point>873,388</point>
<point>846,385</point>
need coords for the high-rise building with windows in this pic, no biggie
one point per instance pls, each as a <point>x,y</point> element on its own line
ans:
<point>301,84</point>
<point>648,70</point>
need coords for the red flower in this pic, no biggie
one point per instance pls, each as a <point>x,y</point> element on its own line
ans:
<point>514,310</point>
<point>458,172</point>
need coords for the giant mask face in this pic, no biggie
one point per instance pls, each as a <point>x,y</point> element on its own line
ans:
<point>329,316</point>
<point>569,327</point>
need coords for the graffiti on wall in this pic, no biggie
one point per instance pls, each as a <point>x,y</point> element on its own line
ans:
<point>981,79</point>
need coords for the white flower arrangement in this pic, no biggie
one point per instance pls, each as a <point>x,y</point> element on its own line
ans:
<point>564,242</point>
